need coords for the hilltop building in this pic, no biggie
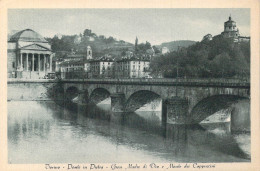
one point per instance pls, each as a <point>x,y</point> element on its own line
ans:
<point>231,31</point>
<point>29,55</point>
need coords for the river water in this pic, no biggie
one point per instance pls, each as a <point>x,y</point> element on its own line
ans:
<point>44,132</point>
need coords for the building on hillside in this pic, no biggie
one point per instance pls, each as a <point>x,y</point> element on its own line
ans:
<point>77,39</point>
<point>165,50</point>
<point>29,55</point>
<point>132,68</point>
<point>207,37</point>
<point>102,67</point>
<point>231,31</point>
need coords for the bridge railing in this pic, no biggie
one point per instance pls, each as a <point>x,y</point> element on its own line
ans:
<point>80,76</point>
<point>161,80</point>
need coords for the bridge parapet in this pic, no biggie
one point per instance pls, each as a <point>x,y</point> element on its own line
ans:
<point>166,82</point>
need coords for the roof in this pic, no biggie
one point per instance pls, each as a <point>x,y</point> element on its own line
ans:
<point>133,59</point>
<point>75,56</point>
<point>230,20</point>
<point>103,59</point>
<point>73,62</point>
<point>27,35</point>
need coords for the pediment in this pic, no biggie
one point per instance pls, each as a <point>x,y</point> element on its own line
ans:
<point>35,47</point>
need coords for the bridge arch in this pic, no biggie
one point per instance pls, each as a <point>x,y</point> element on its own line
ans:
<point>210,105</point>
<point>71,92</point>
<point>139,99</point>
<point>98,95</point>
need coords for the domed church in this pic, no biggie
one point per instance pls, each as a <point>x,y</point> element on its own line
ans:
<point>231,31</point>
<point>29,55</point>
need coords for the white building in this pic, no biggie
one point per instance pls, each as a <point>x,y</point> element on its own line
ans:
<point>165,50</point>
<point>132,68</point>
<point>102,67</point>
<point>29,55</point>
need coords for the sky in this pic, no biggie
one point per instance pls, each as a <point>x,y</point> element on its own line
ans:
<point>152,25</point>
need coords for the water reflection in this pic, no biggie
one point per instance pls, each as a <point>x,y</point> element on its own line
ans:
<point>87,133</point>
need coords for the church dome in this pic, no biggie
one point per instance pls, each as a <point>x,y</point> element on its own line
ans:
<point>27,35</point>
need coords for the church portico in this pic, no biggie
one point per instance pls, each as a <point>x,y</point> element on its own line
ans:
<point>33,55</point>
<point>33,61</point>
<point>34,64</point>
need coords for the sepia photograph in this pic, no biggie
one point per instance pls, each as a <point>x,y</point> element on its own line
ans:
<point>125,86</point>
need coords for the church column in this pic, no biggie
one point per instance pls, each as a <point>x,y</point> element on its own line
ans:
<point>27,62</point>
<point>33,62</point>
<point>39,63</point>
<point>44,63</point>
<point>21,61</point>
<point>50,63</point>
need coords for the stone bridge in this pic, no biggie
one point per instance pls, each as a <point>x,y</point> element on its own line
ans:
<point>183,100</point>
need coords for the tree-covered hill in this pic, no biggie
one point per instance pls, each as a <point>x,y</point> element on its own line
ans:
<point>173,45</point>
<point>217,58</point>
<point>100,44</point>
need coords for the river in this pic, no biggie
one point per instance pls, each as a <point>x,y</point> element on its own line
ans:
<point>44,132</point>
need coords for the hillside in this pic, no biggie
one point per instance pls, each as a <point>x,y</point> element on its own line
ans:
<point>173,46</point>
<point>100,44</point>
<point>217,58</point>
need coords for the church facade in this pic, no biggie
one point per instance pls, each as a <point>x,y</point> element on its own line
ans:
<point>29,55</point>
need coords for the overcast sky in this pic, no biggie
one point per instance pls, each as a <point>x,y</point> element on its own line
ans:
<point>153,25</point>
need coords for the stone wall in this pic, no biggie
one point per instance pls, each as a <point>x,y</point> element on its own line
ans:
<point>29,91</point>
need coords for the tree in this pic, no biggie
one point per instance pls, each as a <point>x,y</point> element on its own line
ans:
<point>87,32</point>
<point>218,58</point>
<point>156,50</point>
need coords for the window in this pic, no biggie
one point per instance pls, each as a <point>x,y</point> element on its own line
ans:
<point>13,64</point>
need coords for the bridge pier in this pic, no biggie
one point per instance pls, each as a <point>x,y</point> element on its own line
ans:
<point>240,117</point>
<point>175,110</point>
<point>81,97</point>
<point>117,102</point>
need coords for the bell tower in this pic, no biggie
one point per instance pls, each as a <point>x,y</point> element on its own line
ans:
<point>89,53</point>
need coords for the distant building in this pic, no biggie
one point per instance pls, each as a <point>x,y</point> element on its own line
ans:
<point>129,54</point>
<point>231,31</point>
<point>132,68</point>
<point>29,55</point>
<point>77,39</point>
<point>165,50</point>
<point>207,37</point>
